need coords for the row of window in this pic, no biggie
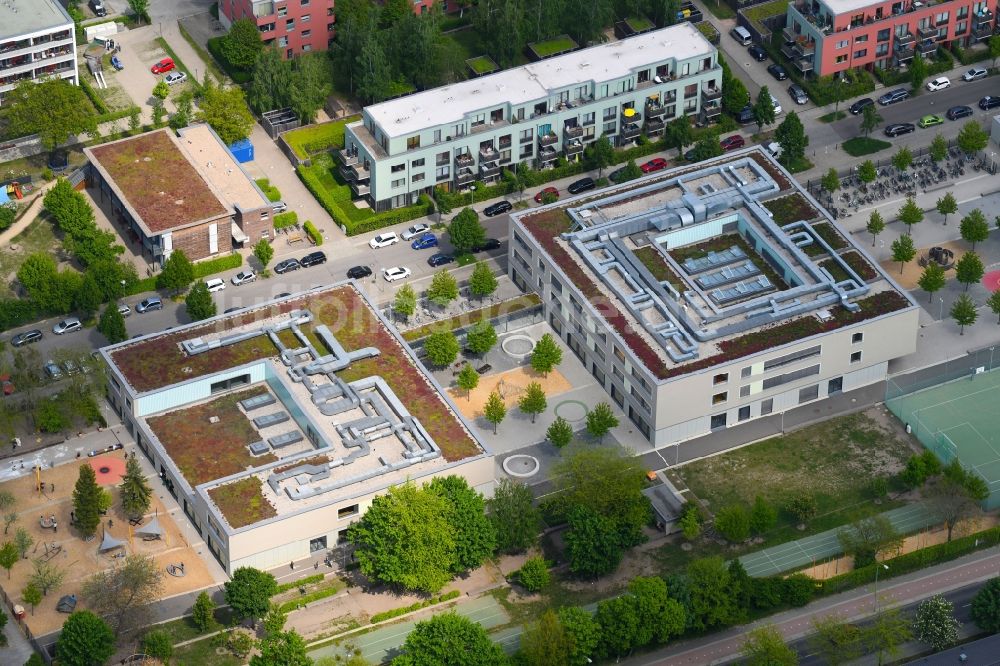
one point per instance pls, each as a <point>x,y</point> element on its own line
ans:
<point>806,394</point>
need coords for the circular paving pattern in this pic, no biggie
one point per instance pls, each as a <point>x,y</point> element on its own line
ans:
<point>517,346</point>
<point>521,465</point>
<point>571,410</point>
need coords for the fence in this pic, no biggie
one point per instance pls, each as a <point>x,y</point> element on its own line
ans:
<point>278,121</point>
<point>23,626</point>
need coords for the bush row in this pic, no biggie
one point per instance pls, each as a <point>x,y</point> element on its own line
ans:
<point>313,232</point>
<point>309,598</point>
<point>289,219</point>
<point>112,116</point>
<point>942,62</point>
<point>15,312</point>
<point>92,95</point>
<point>396,612</point>
<point>270,191</point>
<point>142,286</point>
<point>308,580</point>
<point>217,265</point>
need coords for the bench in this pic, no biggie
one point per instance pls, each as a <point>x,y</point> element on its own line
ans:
<point>295,238</point>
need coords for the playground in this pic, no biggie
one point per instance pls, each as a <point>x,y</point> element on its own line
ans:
<point>510,385</point>
<point>46,515</point>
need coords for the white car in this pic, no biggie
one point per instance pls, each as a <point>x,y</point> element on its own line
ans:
<point>415,230</point>
<point>244,277</point>
<point>975,74</point>
<point>777,105</point>
<point>940,83</point>
<point>175,77</point>
<point>383,240</point>
<point>395,273</point>
<point>774,148</point>
<point>215,285</point>
<point>124,310</point>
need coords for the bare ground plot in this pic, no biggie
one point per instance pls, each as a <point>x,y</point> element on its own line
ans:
<point>510,385</point>
<point>912,270</point>
<point>40,236</point>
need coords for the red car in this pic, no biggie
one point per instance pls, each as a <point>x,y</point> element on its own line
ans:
<point>8,386</point>
<point>732,142</point>
<point>548,190</point>
<point>164,65</point>
<point>654,165</point>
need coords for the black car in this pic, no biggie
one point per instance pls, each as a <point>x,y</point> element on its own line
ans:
<point>489,244</point>
<point>440,260</point>
<point>893,96</point>
<point>899,128</point>
<point>581,185</point>
<point>498,208</point>
<point>777,71</point>
<point>956,112</point>
<point>358,272</point>
<point>616,175</point>
<point>312,259</point>
<point>757,53</point>
<point>25,338</point>
<point>860,105</point>
<point>287,265</point>
<point>989,102</point>
<point>745,116</point>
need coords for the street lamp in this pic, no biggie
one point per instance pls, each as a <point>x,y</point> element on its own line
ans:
<point>941,309</point>
<point>991,357</point>
<point>877,570</point>
<point>993,156</point>
<point>472,195</point>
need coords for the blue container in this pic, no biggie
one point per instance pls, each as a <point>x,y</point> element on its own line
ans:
<point>242,151</point>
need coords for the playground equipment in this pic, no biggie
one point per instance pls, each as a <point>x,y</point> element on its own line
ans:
<point>49,523</point>
<point>942,256</point>
<point>67,603</point>
<point>176,570</point>
<point>14,191</point>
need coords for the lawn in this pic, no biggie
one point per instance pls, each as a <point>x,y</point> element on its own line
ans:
<point>552,47</point>
<point>326,175</point>
<point>204,653</point>
<point>242,502</point>
<point>313,139</point>
<point>482,65</point>
<point>709,30</point>
<point>793,208</point>
<point>827,233</point>
<point>657,265</point>
<point>831,117</point>
<point>38,237</point>
<point>184,629</point>
<point>864,145</point>
<point>639,23</point>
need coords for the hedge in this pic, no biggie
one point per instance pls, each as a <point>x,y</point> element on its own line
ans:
<point>313,232</point>
<point>309,598</point>
<point>312,139</point>
<point>116,115</point>
<point>942,62</point>
<point>308,580</point>
<point>15,312</point>
<point>237,75</point>
<point>270,191</point>
<point>217,265</point>
<point>396,612</point>
<point>288,219</point>
<point>92,95</point>
<point>142,286</point>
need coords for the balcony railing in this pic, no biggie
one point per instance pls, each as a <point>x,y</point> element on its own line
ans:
<point>360,189</point>
<point>710,93</point>
<point>804,65</point>
<point>903,51</point>
<point>788,34</point>
<point>712,110</point>
<point>463,160</point>
<point>574,147</point>
<point>635,117</point>
<point>654,110</point>
<point>906,38</point>
<point>630,131</point>
<point>547,154</point>
<point>487,169</point>
<point>573,132</point>
<point>927,47</point>
<point>982,17</point>
<point>927,32</point>
<point>982,31</point>
<point>359,171</point>
<point>488,154</point>
<point>347,158</point>
<point>464,176</point>
<point>654,125</point>
<point>548,139</point>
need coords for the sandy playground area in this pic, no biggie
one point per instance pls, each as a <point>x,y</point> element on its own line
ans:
<point>67,549</point>
<point>510,385</point>
<point>913,270</point>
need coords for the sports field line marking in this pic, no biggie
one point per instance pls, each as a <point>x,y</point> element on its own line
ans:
<point>956,399</point>
<point>985,441</point>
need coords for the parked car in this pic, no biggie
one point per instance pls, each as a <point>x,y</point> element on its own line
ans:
<point>287,266</point>
<point>899,128</point>
<point>415,230</point>
<point>940,83</point>
<point>552,191</point>
<point>930,121</point>
<point>989,102</point>
<point>6,384</point>
<point>26,338</point>
<point>498,208</point>
<point>777,104</point>
<point>70,367</point>
<point>244,277</point>
<point>359,272</point>
<point>757,53</point>
<point>395,273</point>
<point>97,6</point>
<point>745,116</point>
<point>956,112</point>
<point>440,260</point>
<point>777,71</point>
<point>490,244</point>
<point>774,148</point>
<point>117,63</point>
<point>383,240</point>
<point>313,259</point>
<point>53,371</point>
<point>215,284</point>
<point>231,310</point>
<point>581,185</point>
<point>860,105</point>
<point>68,325</point>
<point>975,74</point>
<point>893,96</point>
<point>175,77</point>
<point>278,207</point>
<point>147,304</point>
<point>798,94</point>
<point>163,66</point>
<point>732,142</point>
<point>424,242</point>
<point>655,164</point>
<point>124,310</point>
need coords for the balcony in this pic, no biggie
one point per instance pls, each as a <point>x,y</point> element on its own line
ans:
<point>630,131</point>
<point>573,131</point>
<point>347,158</point>
<point>906,38</point>
<point>464,177</point>
<point>547,154</point>
<point>710,93</point>
<point>463,160</point>
<point>711,110</point>
<point>788,34</point>
<point>903,51</point>
<point>982,17</point>
<point>360,189</point>
<point>982,31</point>
<point>804,65</point>
<point>573,147</point>
<point>654,126</point>
<point>489,169</point>
<point>654,110</point>
<point>488,154</point>
<point>927,47</point>
<point>634,117</point>
<point>927,32</point>
<point>548,139</point>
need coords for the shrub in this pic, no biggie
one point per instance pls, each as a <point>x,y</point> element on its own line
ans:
<point>287,219</point>
<point>798,589</point>
<point>533,574</point>
<point>308,598</point>
<point>217,265</point>
<point>308,580</point>
<point>312,232</point>
<point>403,610</point>
<point>733,522</point>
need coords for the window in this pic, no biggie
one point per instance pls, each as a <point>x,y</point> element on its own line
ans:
<point>617,372</point>
<point>554,323</point>
<point>317,544</point>
<point>961,27</point>
<point>790,377</point>
<point>399,182</point>
<point>304,3</point>
<point>609,128</point>
<point>232,382</point>
<point>306,18</point>
<point>766,406</point>
<point>881,50</point>
<point>746,372</point>
<point>289,24</point>
<point>598,352</point>
<point>617,396</point>
<point>792,358</point>
<point>588,118</point>
<point>417,163</point>
<point>744,413</point>
<point>525,136</point>
<point>417,177</point>
<point>842,44</point>
<point>639,422</point>
<point>719,398</point>
<point>841,58</point>
<point>282,11</point>
<point>808,393</point>
<point>347,511</point>
<point>857,337</point>
<point>619,354</point>
<point>860,38</point>
<point>413,142</point>
<point>720,378</point>
<point>527,150</point>
<point>441,158</point>
<point>861,53</point>
<point>307,33</point>
<point>883,35</point>
<point>443,173</point>
<point>718,421</point>
<point>856,357</point>
<point>396,168</point>
<point>745,391</point>
<point>835,385</point>
<point>556,285</point>
<point>610,112</point>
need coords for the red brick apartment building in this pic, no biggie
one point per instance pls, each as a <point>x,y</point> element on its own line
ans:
<point>293,26</point>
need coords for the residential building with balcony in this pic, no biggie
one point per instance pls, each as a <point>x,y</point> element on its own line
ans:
<point>824,37</point>
<point>36,41</point>
<point>696,310</point>
<point>455,135</point>
<point>292,26</point>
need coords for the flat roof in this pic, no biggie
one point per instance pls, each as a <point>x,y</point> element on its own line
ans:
<point>158,180</point>
<point>23,17</point>
<point>520,85</point>
<point>214,161</point>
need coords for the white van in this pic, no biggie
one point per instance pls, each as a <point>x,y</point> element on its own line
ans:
<point>215,285</point>
<point>742,35</point>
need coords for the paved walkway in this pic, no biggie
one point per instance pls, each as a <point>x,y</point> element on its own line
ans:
<point>34,208</point>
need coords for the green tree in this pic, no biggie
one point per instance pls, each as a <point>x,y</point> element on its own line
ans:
<point>482,282</point>
<point>481,337</point>
<point>600,420</point>
<point>792,138</point>
<point>836,642</point>
<point>34,660</point>
<point>969,269</point>
<point>269,87</point>
<point>972,137</point>
<point>161,90</point>
<point>465,232</point>
<point>533,400</point>
<point>248,592</point>
<point>994,302</point>
<point>30,594</point>
<point>660,617</point>
<point>448,639</point>
<point>985,610</point>
<point>533,574</point>
<point>742,587</point>
<point>560,432</point>
<point>939,148</point>
<point>546,355</point>
<point>902,159</point>
<point>866,539</point>
<point>225,109</point>
<point>242,44</point>
<point>690,522</point>
<point>443,289</point>
<point>600,154</point>
<point>546,642</point>
<point>495,410</point>
<point>875,226</point>
<point>264,252</point>
<point>185,106</point>
<point>140,9</point>
<point>956,496</point>
<point>733,522</point>
<point>468,379</point>
<point>9,556</point>
<point>85,640</point>
<point>947,205</point>
<point>707,147</point>
<point>593,545</point>
<point>286,648</point>
<point>619,627</point>
<point>764,646</point>
<point>88,297</point>
<point>23,541</point>
<point>886,633</point>
<point>474,535</point>
<point>177,273</point>
<point>910,213</point>
<point>630,171</point>
<point>974,228</point>
<point>867,171</point>
<point>135,491</point>
<point>735,95</point>
<point>711,604</point>
<point>932,279</point>
<point>86,496</point>
<point>405,303</point>
<point>373,69</point>
<point>112,324</point>
<point>46,575</point>
<point>310,85</point>
<point>203,612</point>
<point>935,623</point>
<point>763,516</point>
<point>584,633</point>
<point>159,111</point>
<point>54,109</point>
<point>830,181</point>
<point>442,348</point>
<point>678,133</point>
<point>199,303</point>
<point>41,279</point>
<point>870,119</point>
<point>918,72</point>
<point>158,644</point>
<point>903,251</point>
<point>763,109</point>
<point>802,506</point>
<point>515,519</point>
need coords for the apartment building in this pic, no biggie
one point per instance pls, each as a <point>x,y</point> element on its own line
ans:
<point>823,37</point>
<point>696,310</point>
<point>456,135</point>
<point>292,26</point>
<point>36,41</point>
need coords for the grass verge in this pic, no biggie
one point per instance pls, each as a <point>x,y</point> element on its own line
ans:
<point>206,57</point>
<point>192,79</point>
<point>831,117</point>
<point>864,145</point>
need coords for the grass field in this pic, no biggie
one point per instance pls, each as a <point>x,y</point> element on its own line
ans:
<point>482,65</point>
<point>551,47</point>
<point>38,237</point>
<point>862,145</point>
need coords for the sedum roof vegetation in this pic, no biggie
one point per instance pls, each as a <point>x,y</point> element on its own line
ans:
<point>158,181</point>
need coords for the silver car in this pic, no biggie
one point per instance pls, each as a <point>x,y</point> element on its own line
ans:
<point>67,326</point>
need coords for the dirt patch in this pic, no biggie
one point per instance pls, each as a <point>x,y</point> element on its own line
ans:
<point>912,270</point>
<point>510,385</point>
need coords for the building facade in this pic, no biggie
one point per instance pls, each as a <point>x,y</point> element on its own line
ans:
<point>456,135</point>
<point>291,26</point>
<point>36,41</point>
<point>824,37</point>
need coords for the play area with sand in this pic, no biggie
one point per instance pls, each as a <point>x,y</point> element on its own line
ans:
<point>510,385</point>
<point>65,547</point>
<point>912,270</point>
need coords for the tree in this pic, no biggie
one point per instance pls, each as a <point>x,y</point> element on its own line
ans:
<point>242,44</point>
<point>374,70</point>
<point>792,138</point>
<point>956,496</point>
<point>867,172</point>
<point>264,252</point>
<point>9,519</point>
<point>972,138</point>
<point>969,269</point>
<point>546,642</point>
<point>866,539</point>
<point>46,575</point>
<point>310,86</point>
<point>481,337</point>
<point>112,325</point>
<point>887,632</point>
<point>802,506</point>
<point>161,90</point>
<point>546,355</point>
<point>249,592</point>
<point>993,301</point>
<point>630,171</point>
<point>54,109</point>
<point>495,410</point>
<point>947,205</point>
<point>932,279</point>
<point>225,109</point>
<point>442,348</point>
<point>9,556</point>
<point>600,420</point>
<point>88,297</point>
<point>86,498</point>
<point>830,181</point>
<point>600,154</point>
<point>140,8</point>
<point>974,228</point>
<point>123,593</point>
<point>902,159</point>
<point>870,119</point>
<point>939,148</point>
<point>903,251</point>
<point>177,273</point>
<point>918,72</point>
<point>40,278</point>
<point>185,105</point>
<point>964,312</point>
<point>733,522</point>
<point>690,522</point>
<point>23,541</point>
<point>763,109</point>
<point>405,302</point>
<point>448,639</point>
<point>203,612</point>
<point>515,519</point>
<point>935,623</point>
<point>986,606</point>
<point>135,491</point>
<point>468,379</point>
<point>274,621</point>
<point>678,134</point>
<point>159,111</point>
<point>836,642</point>
<point>560,432</point>
<point>85,640</point>
<point>482,282</point>
<point>584,633</point>
<point>592,543</point>
<point>465,232</point>
<point>474,535</point>
<point>533,400</point>
<point>158,644</point>
<point>31,595</point>
<point>286,648</point>
<point>199,303</point>
<point>443,289</point>
<point>533,574</point>
<point>876,225</point>
<point>910,213</point>
<point>735,95</point>
<point>764,646</point>
<point>707,147</point>
<point>763,516</point>
<point>711,604</point>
